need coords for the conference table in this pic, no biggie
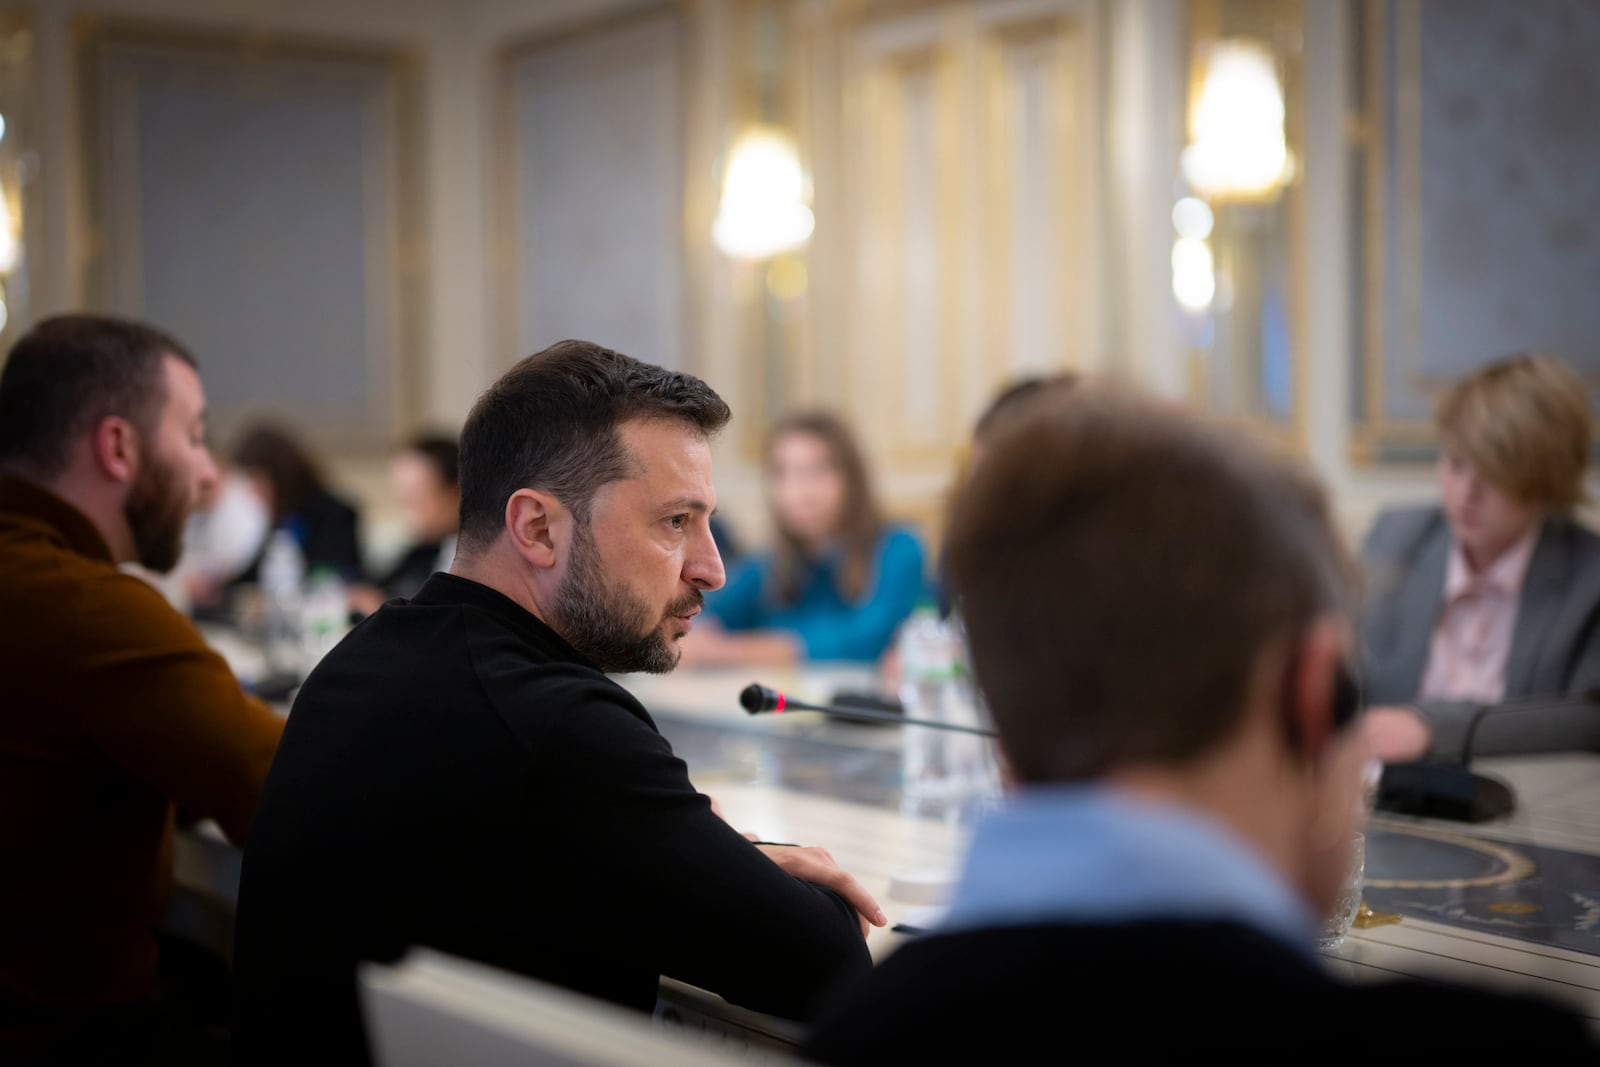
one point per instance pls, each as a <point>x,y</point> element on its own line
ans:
<point>1511,904</point>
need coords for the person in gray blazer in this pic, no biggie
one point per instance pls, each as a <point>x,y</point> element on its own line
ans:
<point>1482,624</point>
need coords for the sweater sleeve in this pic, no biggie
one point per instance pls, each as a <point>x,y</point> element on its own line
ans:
<point>721,915</point>
<point>865,631</point>
<point>167,709</point>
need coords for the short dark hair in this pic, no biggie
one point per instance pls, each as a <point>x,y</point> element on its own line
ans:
<point>444,453</point>
<point>68,373</point>
<point>1122,567</point>
<point>551,423</point>
<point>1009,402</point>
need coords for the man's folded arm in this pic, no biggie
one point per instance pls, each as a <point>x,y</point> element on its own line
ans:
<point>728,919</point>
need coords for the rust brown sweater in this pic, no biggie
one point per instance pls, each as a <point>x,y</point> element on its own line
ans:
<point>113,711</point>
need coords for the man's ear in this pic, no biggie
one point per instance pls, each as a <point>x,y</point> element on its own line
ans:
<point>539,526</point>
<point>1317,686</point>
<point>115,447</point>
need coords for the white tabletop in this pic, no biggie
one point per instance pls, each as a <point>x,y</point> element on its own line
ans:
<point>1558,807</point>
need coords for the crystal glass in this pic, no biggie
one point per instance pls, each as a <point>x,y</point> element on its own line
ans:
<point>1337,924</point>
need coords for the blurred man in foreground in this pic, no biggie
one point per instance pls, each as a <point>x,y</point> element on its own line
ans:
<point>460,773</point>
<point>116,712</point>
<point>1158,617</point>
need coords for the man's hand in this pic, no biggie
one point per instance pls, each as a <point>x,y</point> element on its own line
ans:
<point>815,865</point>
<point>1397,734</point>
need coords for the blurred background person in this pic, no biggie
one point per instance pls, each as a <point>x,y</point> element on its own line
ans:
<point>1495,593</point>
<point>839,578</point>
<point>425,480</point>
<point>728,545</point>
<point>1008,405</point>
<point>289,483</point>
<point>223,537</point>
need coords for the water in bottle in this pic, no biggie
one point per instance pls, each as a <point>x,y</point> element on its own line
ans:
<point>945,774</point>
<point>282,580</point>
<point>325,614</point>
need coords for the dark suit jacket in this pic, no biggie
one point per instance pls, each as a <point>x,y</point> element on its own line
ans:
<point>1166,992</point>
<point>455,775</point>
<point>1555,648</point>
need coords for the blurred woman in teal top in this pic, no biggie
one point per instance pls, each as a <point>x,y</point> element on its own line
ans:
<point>838,581</point>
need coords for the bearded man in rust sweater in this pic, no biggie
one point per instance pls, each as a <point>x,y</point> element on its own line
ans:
<point>116,713</point>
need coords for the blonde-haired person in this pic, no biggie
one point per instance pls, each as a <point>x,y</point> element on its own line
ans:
<point>1494,596</point>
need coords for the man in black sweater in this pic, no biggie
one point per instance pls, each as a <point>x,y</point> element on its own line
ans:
<point>1158,615</point>
<point>460,773</point>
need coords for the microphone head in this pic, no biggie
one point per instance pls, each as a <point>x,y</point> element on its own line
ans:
<point>756,698</point>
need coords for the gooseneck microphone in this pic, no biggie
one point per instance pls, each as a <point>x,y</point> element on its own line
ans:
<point>757,699</point>
<point>1452,790</point>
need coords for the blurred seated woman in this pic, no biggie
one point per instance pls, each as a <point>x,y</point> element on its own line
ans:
<point>426,481</point>
<point>838,581</point>
<point>288,483</point>
<point>1482,623</point>
<point>220,540</point>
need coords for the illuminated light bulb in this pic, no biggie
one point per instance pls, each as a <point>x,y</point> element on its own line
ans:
<point>763,211</point>
<point>1237,145</point>
<point>10,251</point>
<point>1194,279</point>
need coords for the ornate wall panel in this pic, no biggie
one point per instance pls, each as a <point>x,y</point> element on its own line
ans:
<point>257,197</point>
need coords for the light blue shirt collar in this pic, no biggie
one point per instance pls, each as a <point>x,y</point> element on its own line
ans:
<point>1093,854</point>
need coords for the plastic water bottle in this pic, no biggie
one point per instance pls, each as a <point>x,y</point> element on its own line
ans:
<point>945,774</point>
<point>282,578</point>
<point>325,614</point>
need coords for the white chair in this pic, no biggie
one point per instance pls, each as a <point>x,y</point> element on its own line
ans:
<point>431,1009</point>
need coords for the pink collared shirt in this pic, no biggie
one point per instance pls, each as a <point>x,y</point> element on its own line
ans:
<point>1472,639</point>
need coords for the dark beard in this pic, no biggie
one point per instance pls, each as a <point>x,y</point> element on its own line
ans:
<point>156,515</point>
<point>611,628</point>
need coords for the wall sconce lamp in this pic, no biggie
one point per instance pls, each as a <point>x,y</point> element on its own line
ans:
<point>764,210</point>
<point>1237,149</point>
<point>10,242</point>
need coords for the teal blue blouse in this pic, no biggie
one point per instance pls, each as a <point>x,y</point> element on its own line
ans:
<point>829,626</point>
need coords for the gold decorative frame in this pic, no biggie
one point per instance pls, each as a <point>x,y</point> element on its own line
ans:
<point>107,218</point>
<point>1391,91</point>
<point>1273,21</point>
<point>505,212</point>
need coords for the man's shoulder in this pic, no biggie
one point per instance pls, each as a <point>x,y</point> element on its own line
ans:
<point>538,691</point>
<point>97,602</point>
<point>1008,987</point>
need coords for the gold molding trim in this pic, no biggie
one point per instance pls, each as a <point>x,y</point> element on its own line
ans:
<point>395,374</point>
<point>504,212</point>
